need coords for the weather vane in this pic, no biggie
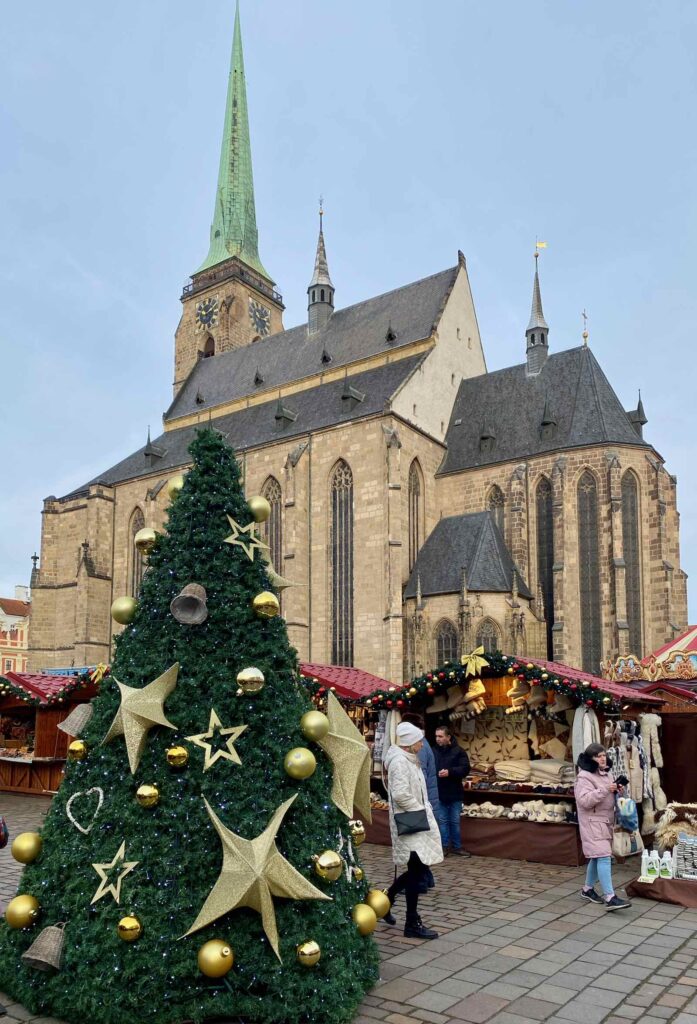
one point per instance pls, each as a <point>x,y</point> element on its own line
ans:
<point>585,327</point>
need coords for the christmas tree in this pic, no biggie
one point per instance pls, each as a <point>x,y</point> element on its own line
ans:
<point>198,861</point>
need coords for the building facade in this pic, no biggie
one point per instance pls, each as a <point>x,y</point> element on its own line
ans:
<point>424,505</point>
<point>15,613</point>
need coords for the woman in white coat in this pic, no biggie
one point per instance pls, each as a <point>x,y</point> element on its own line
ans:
<point>406,789</point>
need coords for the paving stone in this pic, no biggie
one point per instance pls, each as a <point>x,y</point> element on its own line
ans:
<point>553,993</point>
<point>477,1008</point>
<point>431,1000</point>
<point>583,1013</point>
<point>536,1009</point>
<point>401,988</point>
<point>600,997</point>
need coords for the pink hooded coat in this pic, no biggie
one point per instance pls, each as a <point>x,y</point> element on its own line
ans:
<point>595,806</point>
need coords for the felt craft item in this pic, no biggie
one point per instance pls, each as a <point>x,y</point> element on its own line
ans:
<point>537,697</point>
<point>560,704</point>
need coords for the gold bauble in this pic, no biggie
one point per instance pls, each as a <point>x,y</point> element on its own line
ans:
<point>123,610</point>
<point>22,911</point>
<point>308,953</point>
<point>26,847</point>
<point>300,763</point>
<point>174,486</point>
<point>314,725</point>
<point>266,605</point>
<point>147,795</point>
<point>215,958</point>
<point>77,751</point>
<point>358,874</point>
<point>357,830</point>
<point>379,901</point>
<point>177,757</point>
<point>329,865</point>
<point>145,540</point>
<point>364,918</point>
<point>412,691</point>
<point>260,508</point>
<point>129,928</point>
<point>250,680</point>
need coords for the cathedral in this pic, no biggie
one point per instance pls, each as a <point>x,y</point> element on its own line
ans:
<point>422,505</point>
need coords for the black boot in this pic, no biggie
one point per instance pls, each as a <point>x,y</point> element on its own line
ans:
<point>389,917</point>
<point>414,928</point>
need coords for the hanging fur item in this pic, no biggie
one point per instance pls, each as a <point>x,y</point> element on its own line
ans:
<point>648,820</point>
<point>659,797</point>
<point>676,818</point>
<point>649,731</point>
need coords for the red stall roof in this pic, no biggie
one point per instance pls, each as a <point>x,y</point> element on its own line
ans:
<point>348,682</point>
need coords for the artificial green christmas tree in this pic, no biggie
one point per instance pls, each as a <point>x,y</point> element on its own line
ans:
<point>197,861</point>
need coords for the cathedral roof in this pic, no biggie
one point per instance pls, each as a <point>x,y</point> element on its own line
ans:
<point>471,542</point>
<point>571,390</point>
<point>349,398</point>
<point>408,314</point>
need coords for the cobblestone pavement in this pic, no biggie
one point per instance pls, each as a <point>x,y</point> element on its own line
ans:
<point>516,946</point>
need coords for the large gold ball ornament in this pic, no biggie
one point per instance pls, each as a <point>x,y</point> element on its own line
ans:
<point>215,958</point>
<point>77,751</point>
<point>177,757</point>
<point>300,763</point>
<point>174,486</point>
<point>250,681</point>
<point>364,918</point>
<point>329,865</point>
<point>145,540</point>
<point>357,831</point>
<point>308,953</point>
<point>129,928</point>
<point>123,610</point>
<point>379,901</point>
<point>260,508</point>
<point>314,725</point>
<point>147,795</point>
<point>26,847</point>
<point>358,874</point>
<point>266,605</point>
<point>22,911</point>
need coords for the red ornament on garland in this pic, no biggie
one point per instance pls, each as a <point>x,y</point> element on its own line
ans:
<point>589,703</point>
<point>429,676</point>
<point>388,703</point>
<point>441,675</point>
<point>594,686</point>
<point>430,691</point>
<point>376,700</point>
<point>400,703</point>
<point>321,691</point>
<point>573,687</point>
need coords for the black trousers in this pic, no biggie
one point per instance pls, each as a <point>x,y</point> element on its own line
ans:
<point>409,882</point>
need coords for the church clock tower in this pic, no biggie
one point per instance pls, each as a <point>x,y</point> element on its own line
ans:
<point>230,301</point>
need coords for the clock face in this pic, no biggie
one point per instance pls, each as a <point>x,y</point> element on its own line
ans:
<point>207,312</point>
<point>260,317</point>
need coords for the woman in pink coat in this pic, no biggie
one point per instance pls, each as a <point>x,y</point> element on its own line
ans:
<point>595,805</point>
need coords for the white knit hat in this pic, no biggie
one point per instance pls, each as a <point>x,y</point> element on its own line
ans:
<point>408,734</point>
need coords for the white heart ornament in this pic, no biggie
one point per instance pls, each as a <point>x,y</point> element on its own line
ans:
<point>87,792</point>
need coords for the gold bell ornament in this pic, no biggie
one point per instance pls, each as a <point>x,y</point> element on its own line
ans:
<point>147,795</point>
<point>123,610</point>
<point>77,750</point>
<point>379,901</point>
<point>266,605</point>
<point>328,865</point>
<point>145,540</point>
<point>215,958</point>
<point>308,953</point>
<point>26,847</point>
<point>22,911</point>
<point>189,606</point>
<point>46,951</point>
<point>314,725</point>
<point>300,763</point>
<point>260,508</point>
<point>250,681</point>
<point>177,757</point>
<point>129,928</point>
<point>357,831</point>
<point>174,486</point>
<point>364,918</point>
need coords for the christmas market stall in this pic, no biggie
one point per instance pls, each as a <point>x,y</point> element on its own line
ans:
<point>523,725</point>
<point>33,746</point>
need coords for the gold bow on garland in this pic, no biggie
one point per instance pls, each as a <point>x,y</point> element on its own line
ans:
<point>97,674</point>
<point>473,662</point>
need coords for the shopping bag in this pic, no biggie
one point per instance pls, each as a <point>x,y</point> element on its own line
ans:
<point>626,814</point>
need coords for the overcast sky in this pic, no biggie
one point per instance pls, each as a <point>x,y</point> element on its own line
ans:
<point>428,128</point>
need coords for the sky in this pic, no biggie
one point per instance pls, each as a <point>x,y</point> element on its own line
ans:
<point>427,127</point>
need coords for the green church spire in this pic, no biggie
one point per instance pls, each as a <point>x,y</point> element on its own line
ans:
<point>234,227</point>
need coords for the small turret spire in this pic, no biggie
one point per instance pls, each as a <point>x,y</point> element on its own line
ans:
<point>320,292</point>
<point>537,330</point>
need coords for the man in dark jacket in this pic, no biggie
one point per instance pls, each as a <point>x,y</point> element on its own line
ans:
<point>452,765</point>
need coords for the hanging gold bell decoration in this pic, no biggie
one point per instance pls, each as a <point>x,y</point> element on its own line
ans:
<point>266,605</point>
<point>174,486</point>
<point>260,508</point>
<point>74,723</point>
<point>308,953</point>
<point>300,763</point>
<point>189,606</point>
<point>77,751</point>
<point>357,831</point>
<point>314,725</point>
<point>145,540</point>
<point>215,958</point>
<point>46,951</point>
<point>26,847</point>
<point>129,928</point>
<point>22,911</point>
<point>364,918</point>
<point>328,865</point>
<point>250,681</point>
<point>123,610</point>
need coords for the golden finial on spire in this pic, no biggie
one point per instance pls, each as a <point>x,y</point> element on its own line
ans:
<point>585,327</point>
<point>321,210</point>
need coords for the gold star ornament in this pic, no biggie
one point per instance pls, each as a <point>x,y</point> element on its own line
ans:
<point>204,740</point>
<point>141,710</point>
<point>245,538</point>
<point>114,888</point>
<point>474,662</point>
<point>253,873</point>
<point>350,756</point>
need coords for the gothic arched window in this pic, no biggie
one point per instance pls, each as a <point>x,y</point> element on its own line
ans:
<point>589,573</point>
<point>495,503</point>
<point>135,558</point>
<point>271,530</point>
<point>488,636</point>
<point>341,553</point>
<point>415,491</point>
<point>446,642</point>
<point>545,554</point>
<point>632,559</point>
<point>209,347</point>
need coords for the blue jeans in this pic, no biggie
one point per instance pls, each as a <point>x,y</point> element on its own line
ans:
<point>599,870</point>
<point>449,824</point>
